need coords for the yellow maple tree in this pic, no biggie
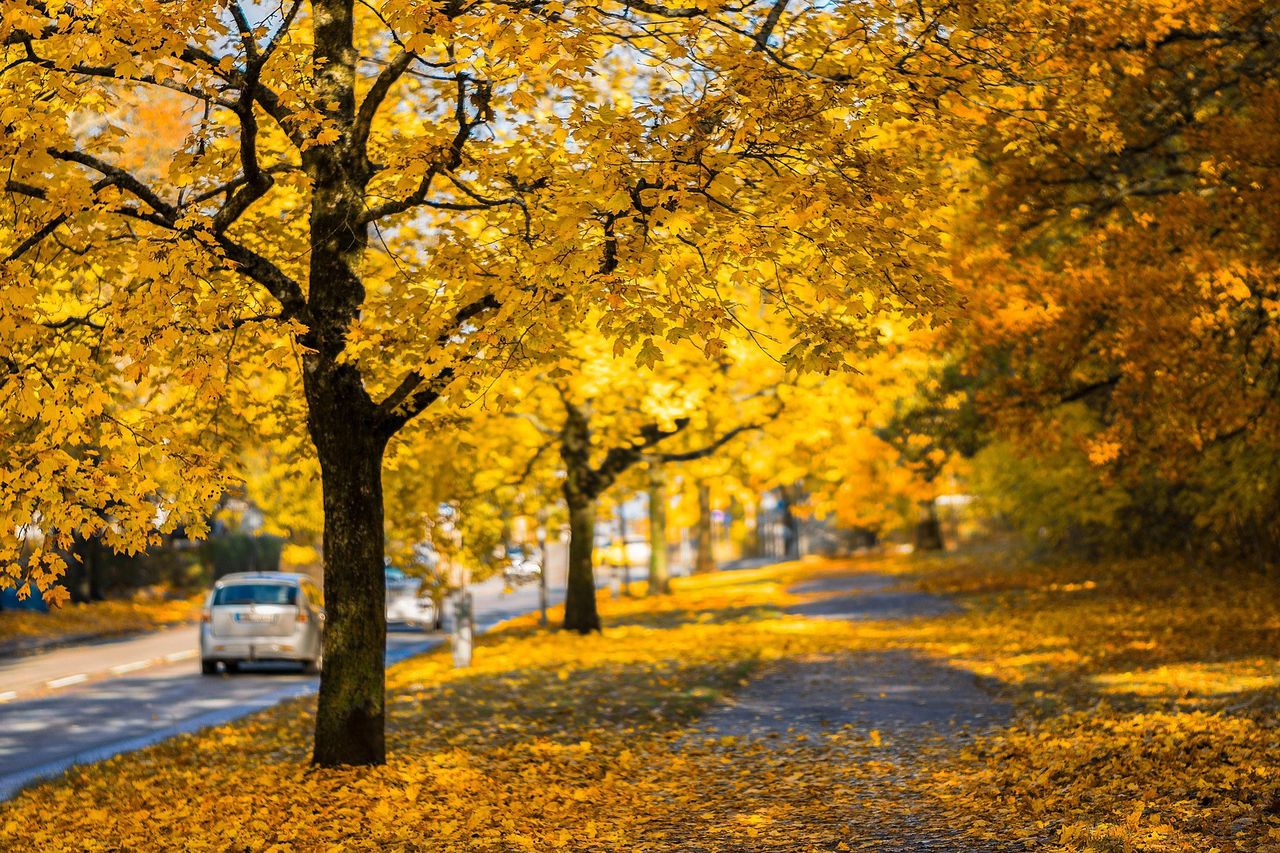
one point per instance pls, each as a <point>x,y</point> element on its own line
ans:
<point>389,202</point>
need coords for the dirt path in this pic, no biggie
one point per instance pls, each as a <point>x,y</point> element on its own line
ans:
<point>900,707</point>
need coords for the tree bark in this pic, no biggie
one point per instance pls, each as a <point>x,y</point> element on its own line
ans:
<point>705,561</point>
<point>581,490</point>
<point>342,418</point>
<point>351,715</point>
<point>790,526</point>
<point>929,528</point>
<point>659,575</point>
<point>580,613</point>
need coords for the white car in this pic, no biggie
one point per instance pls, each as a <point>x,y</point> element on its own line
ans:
<point>404,605</point>
<point>521,571</point>
<point>262,616</point>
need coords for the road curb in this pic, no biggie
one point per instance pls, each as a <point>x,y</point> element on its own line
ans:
<point>71,679</point>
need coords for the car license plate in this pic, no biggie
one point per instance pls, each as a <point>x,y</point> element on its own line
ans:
<point>254,617</point>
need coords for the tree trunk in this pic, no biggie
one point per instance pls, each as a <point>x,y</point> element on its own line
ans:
<point>790,526</point>
<point>350,719</point>
<point>659,575</point>
<point>705,561</point>
<point>929,528</point>
<point>580,494</point>
<point>342,418</point>
<point>580,613</point>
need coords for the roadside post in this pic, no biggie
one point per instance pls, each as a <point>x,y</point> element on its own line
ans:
<point>541,535</point>
<point>463,628</point>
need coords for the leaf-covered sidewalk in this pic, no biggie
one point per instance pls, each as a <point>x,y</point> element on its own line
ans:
<point>866,726</point>
<point>807,706</point>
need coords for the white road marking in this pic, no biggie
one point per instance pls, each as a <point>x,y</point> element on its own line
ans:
<point>119,669</point>
<point>130,667</point>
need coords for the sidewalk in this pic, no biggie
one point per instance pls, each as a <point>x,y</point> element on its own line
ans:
<point>68,665</point>
<point>881,716</point>
<point>22,646</point>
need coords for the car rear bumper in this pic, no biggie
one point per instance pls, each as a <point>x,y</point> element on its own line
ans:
<point>261,650</point>
<point>294,647</point>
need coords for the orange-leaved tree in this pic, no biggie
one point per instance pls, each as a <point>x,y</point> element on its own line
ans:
<point>1122,257</point>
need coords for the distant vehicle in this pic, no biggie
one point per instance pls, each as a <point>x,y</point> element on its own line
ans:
<point>404,605</point>
<point>520,571</point>
<point>262,616</point>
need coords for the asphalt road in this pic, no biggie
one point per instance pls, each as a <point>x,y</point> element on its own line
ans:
<point>87,703</point>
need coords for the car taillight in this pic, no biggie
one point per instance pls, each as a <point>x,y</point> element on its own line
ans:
<point>302,616</point>
<point>206,616</point>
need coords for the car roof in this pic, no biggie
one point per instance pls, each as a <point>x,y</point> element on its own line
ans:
<point>276,577</point>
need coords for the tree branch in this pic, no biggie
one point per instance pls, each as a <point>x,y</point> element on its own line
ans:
<point>619,459</point>
<point>286,291</point>
<point>770,22</point>
<point>1090,389</point>
<point>52,225</point>
<point>120,178</point>
<point>376,95</point>
<point>415,392</point>
<point>466,124</point>
<point>704,452</point>
<point>664,11</point>
<point>40,234</point>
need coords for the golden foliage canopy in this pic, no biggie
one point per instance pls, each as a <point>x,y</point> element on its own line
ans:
<point>207,195</point>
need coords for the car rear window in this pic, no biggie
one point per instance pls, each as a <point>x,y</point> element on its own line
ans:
<point>256,593</point>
